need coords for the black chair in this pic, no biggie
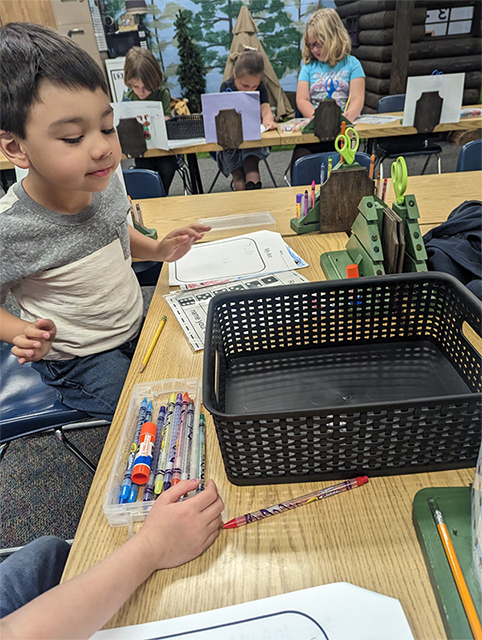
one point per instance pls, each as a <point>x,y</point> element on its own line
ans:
<point>144,183</point>
<point>406,146</point>
<point>29,406</point>
<point>470,157</point>
<point>307,169</point>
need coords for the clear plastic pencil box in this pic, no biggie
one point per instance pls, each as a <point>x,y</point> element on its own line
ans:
<point>122,515</point>
<point>223,226</point>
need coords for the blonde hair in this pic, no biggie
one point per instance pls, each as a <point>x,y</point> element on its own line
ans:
<point>328,29</point>
<point>141,65</point>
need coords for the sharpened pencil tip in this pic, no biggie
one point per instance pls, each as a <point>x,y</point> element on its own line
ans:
<point>143,366</point>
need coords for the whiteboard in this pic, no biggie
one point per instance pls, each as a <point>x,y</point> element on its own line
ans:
<point>115,75</point>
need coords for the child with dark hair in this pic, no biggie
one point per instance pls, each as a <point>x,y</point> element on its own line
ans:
<point>65,242</point>
<point>243,164</point>
<point>143,76</point>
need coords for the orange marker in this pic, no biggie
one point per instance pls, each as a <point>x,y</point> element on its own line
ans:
<point>453,561</point>
<point>372,166</point>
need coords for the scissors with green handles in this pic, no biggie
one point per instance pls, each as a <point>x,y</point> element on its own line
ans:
<point>399,178</point>
<point>347,144</point>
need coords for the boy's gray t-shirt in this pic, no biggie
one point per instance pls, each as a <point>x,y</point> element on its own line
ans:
<point>72,268</point>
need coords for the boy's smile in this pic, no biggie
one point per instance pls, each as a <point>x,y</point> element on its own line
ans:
<point>71,147</point>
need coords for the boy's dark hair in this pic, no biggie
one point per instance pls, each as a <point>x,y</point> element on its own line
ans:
<point>141,65</point>
<point>249,63</point>
<point>30,53</point>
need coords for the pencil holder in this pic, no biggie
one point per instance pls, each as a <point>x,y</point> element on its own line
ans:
<point>330,380</point>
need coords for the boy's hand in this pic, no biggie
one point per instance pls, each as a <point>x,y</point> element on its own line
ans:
<point>178,242</point>
<point>269,126</point>
<point>35,343</point>
<point>176,532</point>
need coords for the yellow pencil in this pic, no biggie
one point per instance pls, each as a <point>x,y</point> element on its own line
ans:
<point>462,588</point>
<point>153,343</point>
<point>347,103</point>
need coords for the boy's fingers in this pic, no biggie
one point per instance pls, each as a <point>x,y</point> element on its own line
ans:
<point>22,342</point>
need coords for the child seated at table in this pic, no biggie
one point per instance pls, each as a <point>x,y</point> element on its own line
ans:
<point>328,71</point>
<point>143,76</point>
<point>65,242</point>
<point>243,164</point>
<point>34,605</point>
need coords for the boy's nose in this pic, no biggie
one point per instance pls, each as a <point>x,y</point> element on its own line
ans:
<point>101,148</point>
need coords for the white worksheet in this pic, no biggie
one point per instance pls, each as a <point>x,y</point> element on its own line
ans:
<point>191,307</point>
<point>253,254</point>
<point>339,611</point>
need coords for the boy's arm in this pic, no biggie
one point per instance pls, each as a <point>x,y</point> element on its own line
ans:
<point>31,340</point>
<point>173,533</point>
<point>175,245</point>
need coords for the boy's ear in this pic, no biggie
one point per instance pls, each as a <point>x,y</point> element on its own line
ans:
<point>12,149</point>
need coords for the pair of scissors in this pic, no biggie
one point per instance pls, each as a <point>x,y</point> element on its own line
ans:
<point>399,178</point>
<point>436,72</point>
<point>331,86</point>
<point>347,144</point>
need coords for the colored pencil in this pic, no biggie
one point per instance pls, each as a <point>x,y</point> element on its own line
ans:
<point>296,502</point>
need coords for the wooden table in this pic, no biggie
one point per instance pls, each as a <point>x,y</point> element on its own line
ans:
<point>365,537</point>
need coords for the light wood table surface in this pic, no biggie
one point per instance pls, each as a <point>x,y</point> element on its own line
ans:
<point>365,537</point>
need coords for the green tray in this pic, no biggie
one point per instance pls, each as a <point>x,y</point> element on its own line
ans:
<point>454,503</point>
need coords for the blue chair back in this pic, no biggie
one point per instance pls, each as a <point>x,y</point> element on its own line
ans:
<point>27,404</point>
<point>391,103</point>
<point>470,157</point>
<point>307,169</point>
<point>143,183</point>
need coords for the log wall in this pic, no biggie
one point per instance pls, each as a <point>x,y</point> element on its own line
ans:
<point>449,54</point>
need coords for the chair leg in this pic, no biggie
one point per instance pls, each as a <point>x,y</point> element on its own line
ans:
<point>270,173</point>
<point>425,165</point>
<point>286,174</point>
<point>73,449</point>
<point>439,163</point>
<point>3,449</point>
<point>214,181</point>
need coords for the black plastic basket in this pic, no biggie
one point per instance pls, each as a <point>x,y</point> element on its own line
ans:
<point>185,127</point>
<point>327,380</point>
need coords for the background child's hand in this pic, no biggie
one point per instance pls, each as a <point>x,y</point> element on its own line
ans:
<point>178,242</point>
<point>270,125</point>
<point>176,532</point>
<point>35,342</point>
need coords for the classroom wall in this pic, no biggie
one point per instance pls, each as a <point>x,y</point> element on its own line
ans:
<point>280,24</point>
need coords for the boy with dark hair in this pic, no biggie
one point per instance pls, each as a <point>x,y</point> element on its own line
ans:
<point>64,239</point>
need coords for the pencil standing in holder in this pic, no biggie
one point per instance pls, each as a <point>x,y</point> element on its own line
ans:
<point>330,165</point>
<point>322,173</point>
<point>372,166</point>
<point>139,214</point>
<point>377,187</point>
<point>384,189</point>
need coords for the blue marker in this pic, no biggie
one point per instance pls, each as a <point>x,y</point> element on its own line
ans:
<point>126,484</point>
<point>134,487</point>
<point>149,490</point>
<point>322,173</point>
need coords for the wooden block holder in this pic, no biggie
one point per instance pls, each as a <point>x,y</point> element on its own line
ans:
<point>326,124</point>
<point>337,200</point>
<point>364,247</point>
<point>229,129</point>
<point>427,112</point>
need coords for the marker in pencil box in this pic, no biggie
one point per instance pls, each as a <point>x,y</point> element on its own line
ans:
<point>149,490</point>
<point>194,462</point>
<point>161,465</point>
<point>202,451</point>
<point>172,442</point>
<point>181,441</point>
<point>322,174</point>
<point>186,454</point>
<point>126,483</point>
